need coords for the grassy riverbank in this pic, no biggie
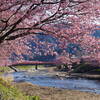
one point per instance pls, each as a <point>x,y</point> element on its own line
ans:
<point>4,70</point>
<point>29,67</point>
<point>9,92</point>
<point>19,68</point>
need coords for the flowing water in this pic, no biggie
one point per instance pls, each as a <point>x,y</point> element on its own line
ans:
<point>43,78</point>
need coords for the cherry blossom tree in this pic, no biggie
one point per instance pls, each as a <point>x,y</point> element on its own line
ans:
<point>67,20</point>
<point>91,47</point>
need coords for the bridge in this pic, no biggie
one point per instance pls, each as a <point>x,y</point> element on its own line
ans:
<point>36,63</point>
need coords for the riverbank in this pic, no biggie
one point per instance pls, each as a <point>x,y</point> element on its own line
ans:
<point>10,92</point>
<point>53,71</point>
<point>63,74</point>
<point>5,70</point>
<point>49,93</point>
<point>88,76</point>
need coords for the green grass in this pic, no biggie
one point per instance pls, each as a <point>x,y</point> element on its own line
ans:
<point>4,69</point>
<point>28,67</point>
<point>7,69</point>
<point>9,92</point>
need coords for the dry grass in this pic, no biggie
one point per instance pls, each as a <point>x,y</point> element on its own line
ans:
<point>46,93</point>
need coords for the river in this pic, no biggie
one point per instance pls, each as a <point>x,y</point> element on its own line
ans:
<point>45,78</point>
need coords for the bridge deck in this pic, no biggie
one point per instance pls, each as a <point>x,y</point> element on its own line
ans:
<point>36,63</point>
<point>32,63</point>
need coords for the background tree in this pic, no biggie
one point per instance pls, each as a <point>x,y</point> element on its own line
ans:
<point>67,20</point>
